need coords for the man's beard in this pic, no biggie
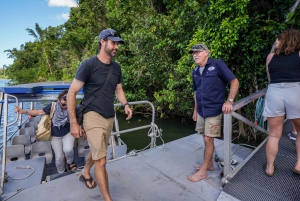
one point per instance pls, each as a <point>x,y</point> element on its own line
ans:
<point>109,52</point>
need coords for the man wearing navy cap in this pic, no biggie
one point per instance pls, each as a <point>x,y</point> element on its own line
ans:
<point>99,115</point>
<point>210,78</point>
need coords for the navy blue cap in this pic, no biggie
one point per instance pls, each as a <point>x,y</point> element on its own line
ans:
<point>111,35</point>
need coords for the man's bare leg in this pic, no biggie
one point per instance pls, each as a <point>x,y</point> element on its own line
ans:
<point>208,154</point>
<point>210,166</point>
<point>86,170</point>
<point>102,178</point>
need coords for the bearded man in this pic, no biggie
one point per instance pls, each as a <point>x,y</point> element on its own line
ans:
<point>99,115</point>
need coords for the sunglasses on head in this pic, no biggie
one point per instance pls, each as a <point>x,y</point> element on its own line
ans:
<point>113,34</point>
<point>197,47</point>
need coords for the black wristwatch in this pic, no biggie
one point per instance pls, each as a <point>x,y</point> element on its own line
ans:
<point>125,104</point>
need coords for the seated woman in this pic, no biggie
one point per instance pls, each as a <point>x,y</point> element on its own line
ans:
<point>62,140</point>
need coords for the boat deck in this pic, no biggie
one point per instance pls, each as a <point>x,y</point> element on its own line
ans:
<point>154,174</point>
<point>161,173</point>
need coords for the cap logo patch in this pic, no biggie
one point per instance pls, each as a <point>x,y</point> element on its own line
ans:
<point>216,126</point>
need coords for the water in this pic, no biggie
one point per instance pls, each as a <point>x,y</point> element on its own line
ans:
<point>172,128</point>
<point>12,115</point>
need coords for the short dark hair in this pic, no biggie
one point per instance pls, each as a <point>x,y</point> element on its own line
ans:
<point>105,39</point>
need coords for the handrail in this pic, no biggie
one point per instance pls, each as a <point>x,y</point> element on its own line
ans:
<point>5,99</point>
<point>244,101</point>
<point>140,102</point>
<point>118,132</point>
<point>228,131</point>
<point>4,138</point>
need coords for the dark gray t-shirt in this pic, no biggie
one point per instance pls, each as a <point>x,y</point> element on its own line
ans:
<point>93,73</point>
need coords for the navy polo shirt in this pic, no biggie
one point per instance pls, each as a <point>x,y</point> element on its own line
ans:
<point>210,87</point>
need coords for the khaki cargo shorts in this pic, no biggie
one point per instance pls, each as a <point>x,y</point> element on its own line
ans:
<point>98,131</point>
<point>210,126</point>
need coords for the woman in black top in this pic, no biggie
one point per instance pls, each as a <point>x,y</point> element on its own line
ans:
<point>62,141</point>
<point>283,95</point>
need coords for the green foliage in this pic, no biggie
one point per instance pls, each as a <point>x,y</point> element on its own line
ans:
<point>155,43</point>
<point>155,62</point>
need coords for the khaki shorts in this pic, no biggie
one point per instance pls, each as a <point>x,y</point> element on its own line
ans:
<point>210,126</point>
<point>98,131</point>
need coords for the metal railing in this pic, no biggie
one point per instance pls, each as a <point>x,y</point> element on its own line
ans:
<point>228,174</point>
<point>118,132</point>
<point>20,124</point>
<point>5,126</point>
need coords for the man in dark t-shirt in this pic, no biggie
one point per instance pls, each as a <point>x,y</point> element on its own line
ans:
<point>99,115</point>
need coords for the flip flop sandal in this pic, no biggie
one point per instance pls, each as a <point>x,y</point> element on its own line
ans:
<point>233,162</point>
<point>72,166</point>
<point>84,180</point>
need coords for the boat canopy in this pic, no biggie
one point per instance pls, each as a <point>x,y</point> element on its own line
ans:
<point>38,91</point>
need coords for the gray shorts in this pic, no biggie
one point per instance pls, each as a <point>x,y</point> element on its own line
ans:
<point>283,99</point>
<point>210,126</point>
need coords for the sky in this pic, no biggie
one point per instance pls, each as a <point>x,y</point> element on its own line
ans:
<point>18,15</point>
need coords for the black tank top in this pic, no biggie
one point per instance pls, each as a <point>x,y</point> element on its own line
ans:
<point>285,68</point>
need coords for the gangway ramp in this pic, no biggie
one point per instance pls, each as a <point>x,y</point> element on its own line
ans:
<point>251,182</point>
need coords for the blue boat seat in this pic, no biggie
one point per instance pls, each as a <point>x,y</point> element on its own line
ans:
<point>31,124</point>
<point>86,152</point>
<point>15,153</point>
<point>23,140</point>
<point>35,119</point>
<point>28,131</point>
<point>42,149</point>
<point>82,146</point>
